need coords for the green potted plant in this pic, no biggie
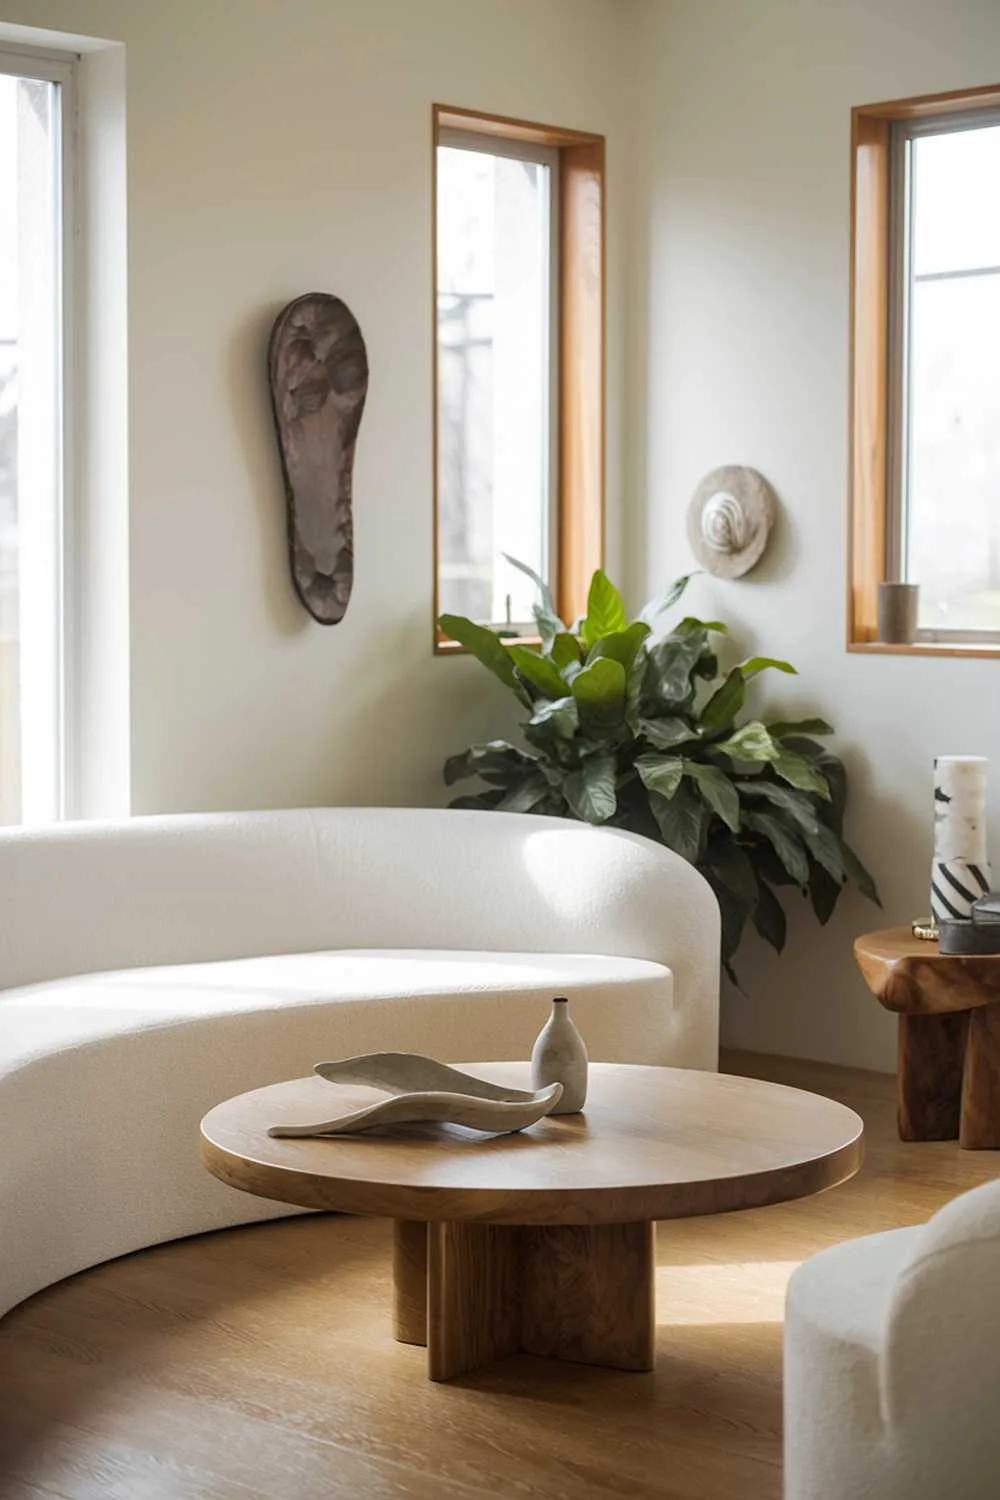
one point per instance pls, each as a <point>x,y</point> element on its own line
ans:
<point>635,726</point>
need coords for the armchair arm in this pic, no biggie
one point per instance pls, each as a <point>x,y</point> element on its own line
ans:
<point>941,1353</point>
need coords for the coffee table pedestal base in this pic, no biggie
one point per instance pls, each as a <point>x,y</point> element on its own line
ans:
<point>476,1292</point>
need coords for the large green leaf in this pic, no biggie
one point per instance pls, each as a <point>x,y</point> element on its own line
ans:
<point>755,664</point>
<point>488,648</point>
<point>731,863</point>
<point>539,671</point>
<point>480,801</point>
<point>717,790</point>
<point>682,821</point>
<point>783,841</point>
<point>526,797</point>
<point>544,591</point>
<point>599,690</point>
<point>733,910</point>
<point>824,893</point>
<point>557,720</point>
<point>724,704</point>
<point>784,727</point>
<point>769,918</point>
<point>857,872</point>
<point>831,768</point>
<point>751,742</point>
<point>666,733</point>
<point>496,762</point>
<point>564,650</point>
<point>823,844</point>
<point>825,848</point>
<point>669,665</point>
<point>590,791</point>
<point>667,600</point>
<point>549,626</point>
<point>545,613</point>
<point>660,773</point>
<point>769,865</point>
<point>691,622</point>
<point>800,808</point>
<point>605,610</point>
<point>800,773</point>
<point>621,645</point>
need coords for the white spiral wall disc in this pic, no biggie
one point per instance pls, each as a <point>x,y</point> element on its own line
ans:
<point>729,520</point>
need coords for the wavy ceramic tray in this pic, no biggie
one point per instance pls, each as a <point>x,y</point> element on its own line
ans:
<point>425,1091</point>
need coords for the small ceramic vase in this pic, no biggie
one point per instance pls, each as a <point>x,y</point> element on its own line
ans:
<point>559,1056</point>
<point>960,872</point>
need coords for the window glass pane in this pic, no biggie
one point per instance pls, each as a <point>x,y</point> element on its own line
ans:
<point>30,458</point>
<point>956,200</point>
<point>953,485</point>
<point>493,318</point>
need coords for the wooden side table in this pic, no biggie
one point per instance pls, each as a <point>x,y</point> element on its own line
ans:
<point>949,1036</point>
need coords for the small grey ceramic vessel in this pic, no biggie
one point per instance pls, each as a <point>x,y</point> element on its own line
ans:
<point>559,1056</point>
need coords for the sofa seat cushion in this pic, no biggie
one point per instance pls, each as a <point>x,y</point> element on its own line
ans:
<point>450,1003</point>
<point>105,1077</point>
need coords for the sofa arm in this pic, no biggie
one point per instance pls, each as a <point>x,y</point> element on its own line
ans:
<point>941,1353</point>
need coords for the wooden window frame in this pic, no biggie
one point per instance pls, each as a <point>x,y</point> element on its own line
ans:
<point>872,350</point>
<point>580,422</point>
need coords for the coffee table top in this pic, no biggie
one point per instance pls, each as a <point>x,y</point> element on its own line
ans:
<point>652,1143</point>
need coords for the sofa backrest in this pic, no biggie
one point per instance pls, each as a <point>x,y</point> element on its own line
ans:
<point>86,897</point>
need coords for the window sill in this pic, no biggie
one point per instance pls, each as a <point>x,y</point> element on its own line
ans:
<point>924,648</point>
<point>445,647</point>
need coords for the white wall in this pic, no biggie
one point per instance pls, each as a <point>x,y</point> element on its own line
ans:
<point>740,345</point>
<point>276,148</point>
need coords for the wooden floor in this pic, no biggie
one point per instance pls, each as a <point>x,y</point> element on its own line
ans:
<point>258,1364</point>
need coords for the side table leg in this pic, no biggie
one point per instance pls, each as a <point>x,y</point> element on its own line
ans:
<point>409,1277</point>
<point>929,1089</point>
<point>981,1083</point>
<point>473,1296</point>
<point>589,1294</point>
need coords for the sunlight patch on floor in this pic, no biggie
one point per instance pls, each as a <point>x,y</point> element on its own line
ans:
<point>739,1292</point>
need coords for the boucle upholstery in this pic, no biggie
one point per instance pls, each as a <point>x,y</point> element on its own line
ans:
<point>151,968</point>
<point>892,1362</point>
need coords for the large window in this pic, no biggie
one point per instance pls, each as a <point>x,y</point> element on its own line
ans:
<point>926,395</point>
<point>519,366</point>
<point>33,224</point>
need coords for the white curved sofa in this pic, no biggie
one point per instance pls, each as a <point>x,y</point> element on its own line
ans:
<point>892,1362</point>
<point>150,968</point>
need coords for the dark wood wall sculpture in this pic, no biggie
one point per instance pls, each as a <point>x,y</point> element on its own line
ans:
<point>318,369</point>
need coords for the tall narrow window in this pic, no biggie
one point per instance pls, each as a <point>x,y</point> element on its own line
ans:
<point>946,417</point>
<point>925,391</point>
<point>33,148</point>
<point>519,365</point>
<point>497,305</point>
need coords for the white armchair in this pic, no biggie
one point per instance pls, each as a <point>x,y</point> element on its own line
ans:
<point>892,1362</point>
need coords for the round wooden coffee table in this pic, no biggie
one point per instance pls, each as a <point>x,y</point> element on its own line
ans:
<point>544,1240</point>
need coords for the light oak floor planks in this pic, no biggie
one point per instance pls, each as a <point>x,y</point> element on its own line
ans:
<point>259,1364</point>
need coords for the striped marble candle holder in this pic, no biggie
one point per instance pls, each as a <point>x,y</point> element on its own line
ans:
<point>960,872</point>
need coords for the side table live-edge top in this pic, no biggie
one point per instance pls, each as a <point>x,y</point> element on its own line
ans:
<point>949,1035</point>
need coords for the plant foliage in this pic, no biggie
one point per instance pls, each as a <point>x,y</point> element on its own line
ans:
<point>636,726</point>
